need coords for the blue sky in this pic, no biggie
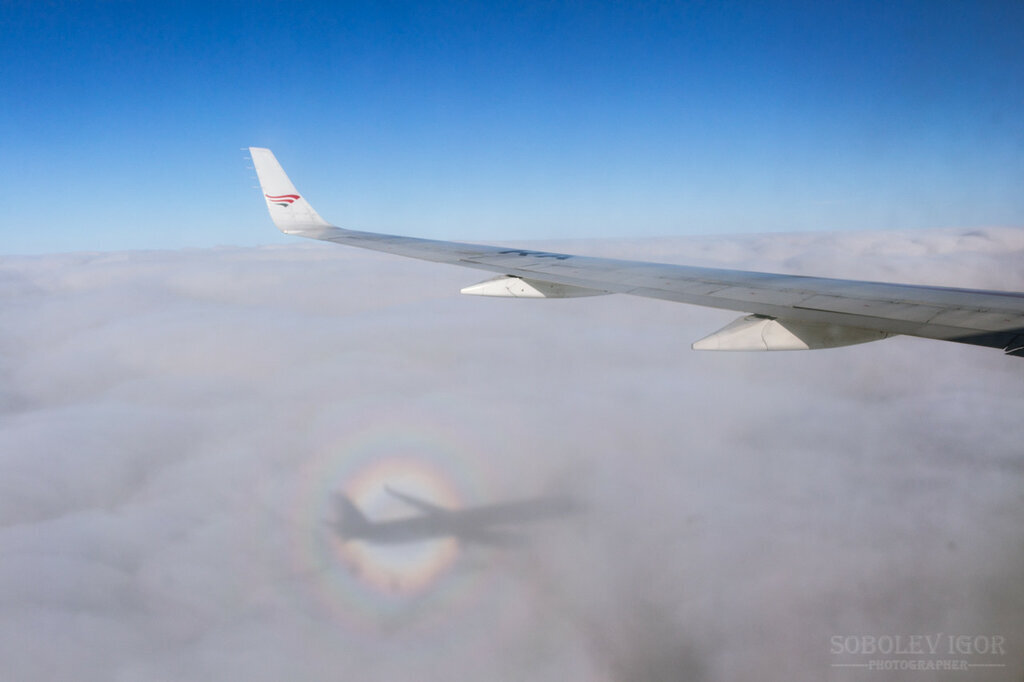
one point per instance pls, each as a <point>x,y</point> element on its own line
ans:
<point>121,124</point>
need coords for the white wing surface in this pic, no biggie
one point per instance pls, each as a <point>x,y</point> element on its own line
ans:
<point>781,312</point>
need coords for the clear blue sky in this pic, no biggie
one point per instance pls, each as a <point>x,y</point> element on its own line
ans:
<point>121,123</point>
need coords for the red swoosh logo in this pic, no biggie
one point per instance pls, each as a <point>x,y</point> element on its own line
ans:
<point>282,199</point>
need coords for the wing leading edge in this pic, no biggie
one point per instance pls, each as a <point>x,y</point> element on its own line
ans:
<point>781,312</point>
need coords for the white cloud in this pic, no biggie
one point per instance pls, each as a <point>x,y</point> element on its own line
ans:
<point>173,421</point>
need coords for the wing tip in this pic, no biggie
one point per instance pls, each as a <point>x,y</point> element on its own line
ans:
<point>290,211</point>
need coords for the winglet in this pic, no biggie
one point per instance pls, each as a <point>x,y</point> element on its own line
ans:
<point>290,212</point>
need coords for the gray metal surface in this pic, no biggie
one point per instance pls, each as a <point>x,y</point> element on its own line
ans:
<point>988,318</point>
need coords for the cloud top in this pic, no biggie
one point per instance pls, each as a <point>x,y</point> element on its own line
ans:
<point>172,425</point>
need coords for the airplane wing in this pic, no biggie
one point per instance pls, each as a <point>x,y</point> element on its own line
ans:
<point>424,507</point>
<point>781,312</point>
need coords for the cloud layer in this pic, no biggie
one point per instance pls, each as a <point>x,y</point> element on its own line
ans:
<point>173,422</point>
